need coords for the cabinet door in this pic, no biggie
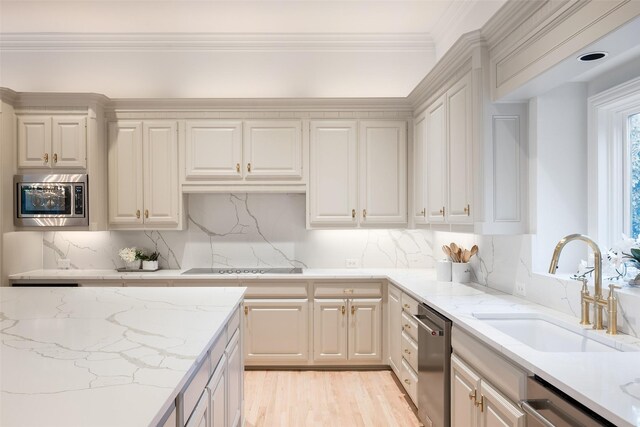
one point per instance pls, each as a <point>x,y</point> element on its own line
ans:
<point>365,330</point>
<point>236,377</point>
<point>497,411</point>
<point>213,150</point>
<point>160,154</point>
<point>69,144</point>
<point>217,388</point>
<point>200,415</point>
<point>125,173</point>
<point>330,330</point>
<point>333,173</point>
<point>420,170</point>
<point>273,149</point>
<point>383,172</point>
<point>395,328</point>
<point>459,129</point>
<point>276,331</point>
<point>465,384</point>
<point>436,158</point>
<point>34,142</point>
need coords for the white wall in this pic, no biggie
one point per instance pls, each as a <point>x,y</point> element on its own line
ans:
<point>560,170</point>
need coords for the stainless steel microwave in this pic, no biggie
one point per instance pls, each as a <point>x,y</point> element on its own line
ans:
<point>51,200</point>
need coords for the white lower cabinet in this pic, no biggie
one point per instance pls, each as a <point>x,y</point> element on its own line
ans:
<point>394,328</point>
<point>235,383</point>
<point>403,340</point>
<point>347,330</point>
<point>217,389</point>
<point>276,331</point>
<point>200,415</point>
<point>476,403</point>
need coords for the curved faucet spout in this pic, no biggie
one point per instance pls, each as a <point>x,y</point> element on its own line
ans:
<point>596,253</point>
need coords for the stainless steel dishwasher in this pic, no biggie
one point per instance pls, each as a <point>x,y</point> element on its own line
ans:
<point>434,367</point>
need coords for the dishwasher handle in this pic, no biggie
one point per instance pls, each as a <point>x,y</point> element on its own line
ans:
<point>431,331</point>
<point>531,407</point>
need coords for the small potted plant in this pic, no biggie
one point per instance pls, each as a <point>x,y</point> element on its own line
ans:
<point>131,257</point>
<point>150,262</point>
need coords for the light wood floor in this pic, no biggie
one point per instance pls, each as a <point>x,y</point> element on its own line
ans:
<point>326,398</point>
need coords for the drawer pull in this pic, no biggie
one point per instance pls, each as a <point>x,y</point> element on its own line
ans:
<point>407,381</point>
<point>353,310</point>
<point>138,214</point>
<point>480,403</point>
<point>407,351</point>
<point>238,167</point>
<point>343,310</point>
<point>406,326</point>
<point>55,157</point>
<point>472,396</point>
<point>45,158</point>
<point>407,306</point>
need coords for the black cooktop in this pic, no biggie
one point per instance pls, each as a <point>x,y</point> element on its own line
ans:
<point>252,270</point>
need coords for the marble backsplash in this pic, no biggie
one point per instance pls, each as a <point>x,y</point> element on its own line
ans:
<point>268,230</point>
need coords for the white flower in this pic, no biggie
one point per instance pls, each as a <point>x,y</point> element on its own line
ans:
<point>127,254</point>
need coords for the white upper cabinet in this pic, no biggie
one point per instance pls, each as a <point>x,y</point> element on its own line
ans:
<point>143,175</point>
<point>333,175</point>
<point>273,149</point>
<point>436,161</point>
<point>213,150</point>
<point>420,170</point>
<point>52,142</point>
<point>459,129</point>
<point>160,154</point>
<point>383,172</point>
<point>125,173</point>
<point>358,173</point>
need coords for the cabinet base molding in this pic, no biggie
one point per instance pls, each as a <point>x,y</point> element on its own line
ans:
<point>317,368</point>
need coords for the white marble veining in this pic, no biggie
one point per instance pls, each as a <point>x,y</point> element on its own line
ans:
<point>102,356</point>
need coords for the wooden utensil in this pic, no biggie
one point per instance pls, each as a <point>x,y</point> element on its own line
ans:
<point>466,255</point>
<point>454,252</point>
<point>446,250</point>
<point>459,254</point>
<point>474,250</point>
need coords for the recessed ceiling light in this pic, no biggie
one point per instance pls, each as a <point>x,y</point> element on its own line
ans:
<point>592,56</point>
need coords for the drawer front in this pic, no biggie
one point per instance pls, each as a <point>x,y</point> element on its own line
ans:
<point>409,304</point>
<point>410,381</point>
<point>410,326</point>
<point>100,283</point>
<point>410,351</point>
<point>276,290</point>
<point>146,284</point>
<point>348,290</point>
<point>217,351</point>
<point>194,390</point>
<point>234,323</point>
<point>207,283</point>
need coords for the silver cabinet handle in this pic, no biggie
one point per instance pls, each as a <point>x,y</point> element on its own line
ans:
<point>531,407</point>
<point>430,331</point>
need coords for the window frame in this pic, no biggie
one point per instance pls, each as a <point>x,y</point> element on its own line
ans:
<point>609,178</point>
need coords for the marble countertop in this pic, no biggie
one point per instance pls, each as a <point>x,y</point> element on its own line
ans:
<point>103,356</point>
<point>607,382</point>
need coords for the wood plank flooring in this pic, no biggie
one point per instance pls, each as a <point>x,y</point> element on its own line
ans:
<point>326,398</point>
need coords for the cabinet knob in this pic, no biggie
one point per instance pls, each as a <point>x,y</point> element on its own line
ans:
<point>55,157</point>
<point>138,214</point>
<point>353,213</point>
<point>248,167</point>
<point>407,381</point>
<point>364,213</point>
<point>45,158</point>
<point>423,212</point>
<point>146,213</point>
<point>442,211</point>
<point>467,210</point>
<point>238,167</point>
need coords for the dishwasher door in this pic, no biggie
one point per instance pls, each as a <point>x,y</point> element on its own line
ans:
<point>434,368</point>
<point>547,407</point>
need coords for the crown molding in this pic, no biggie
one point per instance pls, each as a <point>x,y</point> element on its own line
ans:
<point>186,105</point>
<point>7,95</point>
<point>58,99</point>
<point>455,58</point>
<point>168,42</point>
<point>455,11</point>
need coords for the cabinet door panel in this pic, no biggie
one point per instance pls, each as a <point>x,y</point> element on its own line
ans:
<point>200,415</point>
<point>69,142</point>
<point>34,142</point>
<point>464,383</point>
<point>213,150</point>
<point>160,155</point>
<point>333,173</point>
<point>497,410</point>
<point>330,330</point>
<point>420,171</point>
<point>125,173</point>
<point>236,377</point>
<point>273,149</point>
<point>276,331</point>
<point>365,329</point>
<point>460,151</point>
<point>436,160</point>
<point>395,328</point>
<point>383,172</point>
<point>217,388</point>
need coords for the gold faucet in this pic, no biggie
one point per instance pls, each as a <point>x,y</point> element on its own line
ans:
<point>599,303</point>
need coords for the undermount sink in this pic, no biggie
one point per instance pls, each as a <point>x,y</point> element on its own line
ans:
<point>545,333</point>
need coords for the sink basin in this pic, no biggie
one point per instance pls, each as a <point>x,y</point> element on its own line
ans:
<point>545,333</point>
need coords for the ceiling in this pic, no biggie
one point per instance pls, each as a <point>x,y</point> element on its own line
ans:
<point>264,48</point>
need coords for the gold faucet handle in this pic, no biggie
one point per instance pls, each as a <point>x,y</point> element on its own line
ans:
<point>612,289</point>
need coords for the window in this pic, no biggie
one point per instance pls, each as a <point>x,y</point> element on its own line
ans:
<point>633,126</point>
